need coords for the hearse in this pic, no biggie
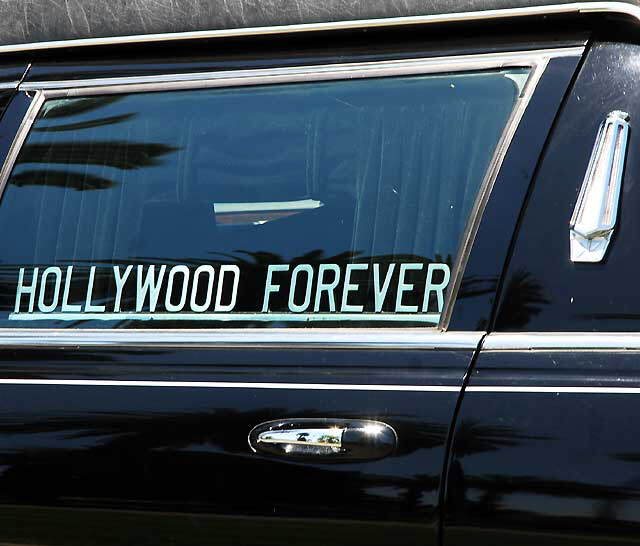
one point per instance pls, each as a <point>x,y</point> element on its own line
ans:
<point>282,273</point>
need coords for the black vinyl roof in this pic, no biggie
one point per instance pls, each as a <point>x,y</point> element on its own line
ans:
<point>29,21</point>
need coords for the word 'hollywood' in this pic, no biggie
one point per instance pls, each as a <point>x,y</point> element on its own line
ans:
<point>48,290</point>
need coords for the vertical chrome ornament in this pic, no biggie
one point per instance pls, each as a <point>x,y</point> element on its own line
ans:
<point>594,217</point>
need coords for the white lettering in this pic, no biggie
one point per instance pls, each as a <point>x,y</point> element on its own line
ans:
<point>405,287</point>
<point>438,288</point>
<point>184,270</point>
<point>194,289</point>
<point>66,306</point>
<point>149,285</point>
<point>234,292</point>
<point>293,307</point>
<point>22,289</point>
<point>348,287</point>
<point>120,280</point>
<point>381,293</point>
<point>269,287</point>
<point>327,287</point>
<point>88,306</point>
<point>42,307</point>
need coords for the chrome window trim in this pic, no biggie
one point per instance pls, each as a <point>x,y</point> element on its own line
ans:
<point>535,60</point>
<point>620,8</point>
<point>562,341</point>
<point>324,338</point>
<point>296,74</point>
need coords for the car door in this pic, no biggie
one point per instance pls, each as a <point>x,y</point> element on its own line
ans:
<point>545,446</point>
<point>227,296</point>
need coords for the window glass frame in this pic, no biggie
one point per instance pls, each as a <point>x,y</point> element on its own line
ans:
<point>535,61</point>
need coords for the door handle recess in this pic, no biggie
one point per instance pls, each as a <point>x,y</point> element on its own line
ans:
<point>326,439</point>
<point>596,211</point>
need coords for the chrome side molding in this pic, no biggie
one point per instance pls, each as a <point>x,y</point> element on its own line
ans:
<point>596,211</point>
<point>562,341</point>
<point>263,338</point>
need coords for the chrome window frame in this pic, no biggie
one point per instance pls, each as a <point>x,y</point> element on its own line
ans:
<point>424,337</point>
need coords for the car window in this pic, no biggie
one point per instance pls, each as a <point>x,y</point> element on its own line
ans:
<point>301,204</point>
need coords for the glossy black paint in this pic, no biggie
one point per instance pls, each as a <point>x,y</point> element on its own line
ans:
<point>13,72</point>
<point>581,297</point>
<point>552,468</point>
<point>481,281</point>
<point>558,467</point>
<point>184,451</point>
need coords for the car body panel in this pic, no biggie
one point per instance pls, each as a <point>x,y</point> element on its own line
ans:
<point>545,443</point>
<point>147,441</point>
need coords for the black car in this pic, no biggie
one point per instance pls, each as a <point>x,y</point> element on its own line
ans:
<point>323,275</point>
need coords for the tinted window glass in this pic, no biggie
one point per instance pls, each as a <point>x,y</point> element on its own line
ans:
<point>326,203</point>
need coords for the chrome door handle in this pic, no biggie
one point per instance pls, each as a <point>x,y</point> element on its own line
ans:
<point>596,211</point>
<point>327,439</point>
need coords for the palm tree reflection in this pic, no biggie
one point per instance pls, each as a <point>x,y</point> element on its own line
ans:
<point>523,298</point>
<point>62,179</point>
